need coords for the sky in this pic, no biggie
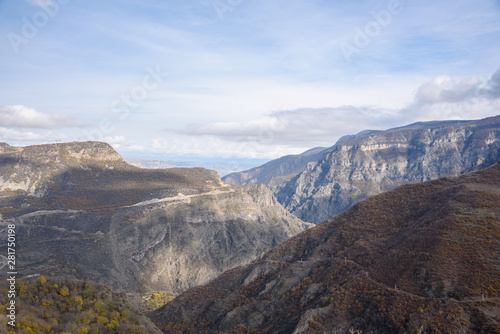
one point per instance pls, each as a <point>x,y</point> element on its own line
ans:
<point>240,79</point>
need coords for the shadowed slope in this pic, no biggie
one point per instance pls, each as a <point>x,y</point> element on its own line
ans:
<point>81,211</point>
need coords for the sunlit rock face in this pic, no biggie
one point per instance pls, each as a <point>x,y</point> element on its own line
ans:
<point>365,166</point>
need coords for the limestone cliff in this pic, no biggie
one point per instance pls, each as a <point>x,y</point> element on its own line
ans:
<point>28,169</point>
<point>358,168</point>
<point>283,169</point>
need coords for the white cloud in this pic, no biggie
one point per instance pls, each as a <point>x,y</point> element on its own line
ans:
<point>445,89</point>
<point>159,143</point>
<point>11,136</point>
<point>492,87</point>
<point>122,144</point>
<point>447,98</point>
<point>212,146</point>
<point>115,140</point>
<point>25,117</point>
<point>299,127</point>
<point>474,108</point>
<point>442,98</point>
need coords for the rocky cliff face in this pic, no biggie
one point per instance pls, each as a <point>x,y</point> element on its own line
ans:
<point>281,170</point>
<point>422,258</point>
<point>29,169</point>
<point>276,171</point>
<point>358,168</point>
<point>94,217</point>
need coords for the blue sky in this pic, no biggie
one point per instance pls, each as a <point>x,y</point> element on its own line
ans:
<point>240,78</point>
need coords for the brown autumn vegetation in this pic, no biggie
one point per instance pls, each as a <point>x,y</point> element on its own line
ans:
<point>420,259</point>
<point>102,191</point>
<point>89,176</point>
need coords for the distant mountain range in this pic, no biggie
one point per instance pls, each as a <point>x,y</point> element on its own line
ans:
<point>321,183</point>
<point>285,168</point>
<point>82,212</point>
<point>422,258</point>
<point>223,166</point>
<point>276,171</point>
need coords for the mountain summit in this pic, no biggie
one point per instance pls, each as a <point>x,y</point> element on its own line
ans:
<point>28,169</point>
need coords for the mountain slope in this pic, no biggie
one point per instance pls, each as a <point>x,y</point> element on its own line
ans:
<point>56,305</point>
<point>422,258</point>
<point>276,171</point>
<point>358,168</point>
<point>81,212</point>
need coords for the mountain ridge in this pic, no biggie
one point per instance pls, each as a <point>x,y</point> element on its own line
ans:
<point>419,258</point>
<point>28,167</point>
<point>285,168</point>
<point>358,168</point>
<point>276,171</point>
<point>95,217</point>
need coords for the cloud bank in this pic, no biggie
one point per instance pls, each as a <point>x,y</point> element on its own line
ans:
<point>316,126</point>
<point>24,117</point>
<point>445,89</point>
<point>442,98</point>
<point>492,88</point>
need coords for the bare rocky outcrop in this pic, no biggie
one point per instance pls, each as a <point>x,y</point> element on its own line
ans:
<point>358,168</point>
<point>29,169</point>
